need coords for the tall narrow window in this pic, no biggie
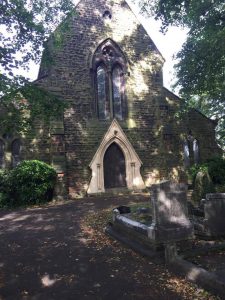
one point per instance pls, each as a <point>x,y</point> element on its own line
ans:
<point>191,151</point>
<point>196,151</point>
<point>117,92</point>
<point>16,149</point>
<point>186,154</point>
<point>109,66</point>
<point>2,151</point>
<point>103,102</point>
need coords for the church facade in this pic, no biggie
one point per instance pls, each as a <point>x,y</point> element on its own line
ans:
<point>120,128</point>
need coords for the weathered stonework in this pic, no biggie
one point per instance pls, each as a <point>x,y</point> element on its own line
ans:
<point>150,125</point>
<point>133,162</point>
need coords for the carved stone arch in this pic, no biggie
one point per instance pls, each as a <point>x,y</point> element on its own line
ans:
<point>133,163</point>
<point>100,54</point>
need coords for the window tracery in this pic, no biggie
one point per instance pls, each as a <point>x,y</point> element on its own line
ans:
<point>109,66</point>
<point>191,150</point>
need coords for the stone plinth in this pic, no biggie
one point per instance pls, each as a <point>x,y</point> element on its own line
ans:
<point>213,224</point>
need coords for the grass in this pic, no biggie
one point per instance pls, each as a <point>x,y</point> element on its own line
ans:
<point>142,217</point>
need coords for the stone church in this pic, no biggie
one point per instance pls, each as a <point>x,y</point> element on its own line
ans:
<point>120,129</point>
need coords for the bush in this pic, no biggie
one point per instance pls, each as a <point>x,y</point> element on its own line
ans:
<point>208,178</point>
<point>31,182</point>
<point>215,168</point>
<point>194,170</point>
<point>4,188</point>
<point>2,179</point>
<point>202,186</point>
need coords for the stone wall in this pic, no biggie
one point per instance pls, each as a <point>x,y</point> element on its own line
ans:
<point>150,125</point>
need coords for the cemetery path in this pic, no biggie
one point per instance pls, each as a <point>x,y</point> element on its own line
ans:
<point>54,253</point>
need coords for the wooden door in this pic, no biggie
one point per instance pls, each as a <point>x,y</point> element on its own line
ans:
<point>114,167</point>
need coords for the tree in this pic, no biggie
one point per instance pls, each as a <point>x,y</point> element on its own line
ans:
<point>201,67</point>
<point>25,26</point>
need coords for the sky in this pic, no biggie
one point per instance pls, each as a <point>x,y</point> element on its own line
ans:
<point>168,44</point>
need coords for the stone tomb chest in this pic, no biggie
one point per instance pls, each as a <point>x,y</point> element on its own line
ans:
<point>169,224</point>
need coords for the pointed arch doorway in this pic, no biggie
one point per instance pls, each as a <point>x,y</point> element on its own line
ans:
<point>114,167</point>
<point>115,146</point>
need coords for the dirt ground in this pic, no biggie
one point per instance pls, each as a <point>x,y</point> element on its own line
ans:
<point>213,261</point>
<point>61,252</point>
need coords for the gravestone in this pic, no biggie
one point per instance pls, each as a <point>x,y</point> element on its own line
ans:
<point>170,214</point>
<point>214,208</point>
<point>170,222</point>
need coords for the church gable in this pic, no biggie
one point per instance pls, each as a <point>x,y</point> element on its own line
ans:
<point>119,116</point>
<point>92,23</point>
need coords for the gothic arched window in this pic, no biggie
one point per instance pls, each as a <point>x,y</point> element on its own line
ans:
<point>103,101</point>
<point>16,150</point>
<point>109,67</point>
<point>186,154</point>
<point>117,79</point>
<point>191,151</point>
<point>196,151</point>
<point>2,153</point>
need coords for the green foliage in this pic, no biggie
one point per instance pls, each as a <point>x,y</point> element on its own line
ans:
<point>2,177</point>
<point>201,66</point>
<point>193,171</point>
<point>25,27</point>
<point>208,177</point>
<point>29,104</point>
<point>203,185</point>
<point>31,182</point>
<point>4,188</point>
<point>28,25</point>
<point>215,168</point>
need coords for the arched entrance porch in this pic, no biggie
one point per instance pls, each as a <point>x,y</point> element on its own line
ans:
<point>115,138</point>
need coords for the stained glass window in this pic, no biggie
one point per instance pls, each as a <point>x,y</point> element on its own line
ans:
<point>109,66</point>
<point>186,154</point>
<point>196,151</point>
<point>117,79</point>
<point>103,103</point>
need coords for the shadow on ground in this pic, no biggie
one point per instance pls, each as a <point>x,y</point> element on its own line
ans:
<point>48,253</point>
